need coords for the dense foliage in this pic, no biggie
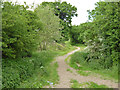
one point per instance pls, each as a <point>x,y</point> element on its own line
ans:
<point>14,72</point>
<point>104,37</point>
<point>50,32</point>
<point>24,32</point>
<point>19,33</point>
<point>77,34</point>
<point>65,12</point>
<point>101,35</point>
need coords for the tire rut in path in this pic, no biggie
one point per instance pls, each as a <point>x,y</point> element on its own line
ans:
<point>65,76</point>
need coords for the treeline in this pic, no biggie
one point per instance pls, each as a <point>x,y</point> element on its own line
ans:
<point>101,35</point>
<point>24,30</point>
<point>26,37</point>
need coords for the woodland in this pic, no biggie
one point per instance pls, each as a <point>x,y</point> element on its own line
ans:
<point>31,39</point>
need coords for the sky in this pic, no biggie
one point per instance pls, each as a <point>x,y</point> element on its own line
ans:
<point>82,7</point>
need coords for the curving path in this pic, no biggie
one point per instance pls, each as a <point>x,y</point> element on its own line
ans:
<point>65,76</point>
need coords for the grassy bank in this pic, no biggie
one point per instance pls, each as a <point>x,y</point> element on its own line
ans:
<point>43,77</point>
<point>78,61</point>
<point>62,49</point>
<point>32,72</point>
<point>16,71</point>
<point>76,84</point>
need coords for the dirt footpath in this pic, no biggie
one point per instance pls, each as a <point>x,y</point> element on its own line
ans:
<point>65,76</point>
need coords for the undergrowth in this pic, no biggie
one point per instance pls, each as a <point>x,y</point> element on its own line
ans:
<point>35,71</point>
<point>93,68</point>
<point>38,80</point>
<point>16,71</point>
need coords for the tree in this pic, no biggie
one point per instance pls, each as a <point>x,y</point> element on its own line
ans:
<point>102,34</point>
<point>50,32</point>
<point>65,12</point>
<point>19,33</point>
<point>77,34</point>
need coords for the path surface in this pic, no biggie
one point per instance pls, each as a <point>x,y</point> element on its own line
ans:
<point>65,76</point>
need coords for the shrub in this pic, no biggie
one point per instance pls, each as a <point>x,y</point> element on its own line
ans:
<point>19,33</point>
<point>79,57</point>
<point>16,71</point>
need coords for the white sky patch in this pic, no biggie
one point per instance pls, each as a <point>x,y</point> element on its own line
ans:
<point>82,7</point>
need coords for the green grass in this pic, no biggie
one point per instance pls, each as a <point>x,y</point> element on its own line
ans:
<point>0,76</point>
<point>69,70</point>
<point>50,73</point>
<point>35,71</point>
<point>110,74</point>
<point>80,58</point>
<point>103,73</point>
<point>61,48</point>
<point>76,84</point>
<point>67,59</point>
<point>39,80</point>
<point>29,70</point>
<point>83,73</point>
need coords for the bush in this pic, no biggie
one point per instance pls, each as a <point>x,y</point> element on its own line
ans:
<point>79,57</point>
<point>16,71</point>
<point>19,33</point>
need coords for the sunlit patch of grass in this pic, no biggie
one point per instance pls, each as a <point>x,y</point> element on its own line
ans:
<point>68,59</point>
<point>83,73</point>
<point>62,49</point>
<point>73,81</point>
<point>69,70</point>
<point>76,84</point>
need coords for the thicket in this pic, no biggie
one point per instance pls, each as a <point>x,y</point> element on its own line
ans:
<point>19,30</point>
<point>102,35</point>
<point>14,72</point>
<point>65,11</point>
<point>24,32</point>
<point>77,34</point>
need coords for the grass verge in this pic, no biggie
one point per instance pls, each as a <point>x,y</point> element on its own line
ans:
<point>69,70</point>
<point>18,71</point>
<point>78,62</point>
<point>76,84</point>
<point>35,71</point>
<point>39,80</point>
